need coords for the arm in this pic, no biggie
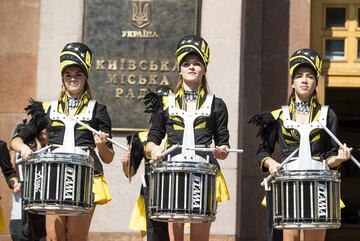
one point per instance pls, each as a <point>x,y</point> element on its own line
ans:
<point>334,156</point>
<point>6,167</point>
<point>18,145</point>
<point>221,131</point>
<point>104,125</point>
<point>268,132</point>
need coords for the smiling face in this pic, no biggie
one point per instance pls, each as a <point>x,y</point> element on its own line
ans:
<point>74,81</point>
<point>192,71</point>
<point>304,83</point>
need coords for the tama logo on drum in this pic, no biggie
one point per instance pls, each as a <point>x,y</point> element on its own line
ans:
<point>322,200</point>
<point>38,180</point>
<point>196,201</point>
<point>69,183</point>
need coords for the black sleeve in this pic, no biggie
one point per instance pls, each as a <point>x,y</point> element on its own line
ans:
<point>103,121</point>
<point>158,129</point>
<point>268,132</point>
<point>5,163</point>
<point>28,132</point>
<point>331,148</point>
<point>221,131</point>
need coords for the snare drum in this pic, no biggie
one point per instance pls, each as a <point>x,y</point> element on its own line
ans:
<point>183,192</point>
<point>306,199</point>
<point>58,183</point>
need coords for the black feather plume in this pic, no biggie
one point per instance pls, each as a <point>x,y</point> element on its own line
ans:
<point>152,102</point>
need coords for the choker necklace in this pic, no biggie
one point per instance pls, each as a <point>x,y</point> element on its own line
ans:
<point>302,107</point>
<point>73,103</point>
<point>191,95</point>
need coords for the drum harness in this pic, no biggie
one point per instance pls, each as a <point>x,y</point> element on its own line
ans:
<point>188,143</point>
<point>305,160</point>
<point>68,145</point>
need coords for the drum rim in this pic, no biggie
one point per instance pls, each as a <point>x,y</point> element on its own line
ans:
<point>308,175</point>
<point>199,167</point>
<point>72,158</point>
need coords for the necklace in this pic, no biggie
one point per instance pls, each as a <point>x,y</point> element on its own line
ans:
<point>191,96</point>
<point>73,102</point>
<point>302,107</point>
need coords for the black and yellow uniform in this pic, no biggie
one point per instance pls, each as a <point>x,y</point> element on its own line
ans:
<point>83,137</point>
<point>272,131</point>
<point>155,231</point>
<point>206,129</point>
<point>9,174</point>
<point>5,164</point>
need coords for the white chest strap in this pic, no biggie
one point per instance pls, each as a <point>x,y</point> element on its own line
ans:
<point>304,162</point>
<point>68,145</point>
<point>188,119</point>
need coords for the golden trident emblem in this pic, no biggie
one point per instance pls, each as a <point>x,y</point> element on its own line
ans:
<point>140,15</point>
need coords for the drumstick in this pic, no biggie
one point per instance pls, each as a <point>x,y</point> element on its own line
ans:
<point>97,132</point>
<point>266,180</point>
<point>20,160</point>
<point>171,149</point>
<point>338,142</point>
<point>212,148</point>
<point>163,154</point>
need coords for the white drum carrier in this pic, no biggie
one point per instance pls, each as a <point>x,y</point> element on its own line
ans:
<point>306,195</point>
<point>183,188</point>
<point>60,182</point>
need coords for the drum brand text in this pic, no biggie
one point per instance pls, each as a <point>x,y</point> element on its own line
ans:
<point>322,200</point>
<point>197,192</point>
<point>37,181</point>
<point>69,183</point>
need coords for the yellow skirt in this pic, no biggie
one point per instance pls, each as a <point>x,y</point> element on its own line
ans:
<point>222,191</point>
<point>138,215</point>
<point>101,190</point>
<point>3,224</point>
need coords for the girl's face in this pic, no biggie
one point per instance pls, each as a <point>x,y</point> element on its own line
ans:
<point>304,83</point>
<point>192,71</point>
<point>74,80</point>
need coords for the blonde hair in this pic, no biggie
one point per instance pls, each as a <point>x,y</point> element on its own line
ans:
<point>204,84</point>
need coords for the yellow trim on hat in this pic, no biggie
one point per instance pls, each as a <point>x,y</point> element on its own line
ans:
<point>181,56</point>
<point>306,58</point>
<point>77,56</point>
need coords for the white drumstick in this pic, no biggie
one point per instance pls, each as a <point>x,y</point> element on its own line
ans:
<point>266,180</point>
<point>163,154</point>
<point>171,149</point>
<point>338,142</point>
<point>20,160</point>
<point>212,148</point>
<point>97,132</point>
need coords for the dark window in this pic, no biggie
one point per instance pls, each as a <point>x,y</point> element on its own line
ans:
<point>335,49</point>
<point>335,17</point>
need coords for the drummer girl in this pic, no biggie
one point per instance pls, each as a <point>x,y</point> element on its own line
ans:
<point>75,99</point>
<point>190,94</point>
<point>305,69</point>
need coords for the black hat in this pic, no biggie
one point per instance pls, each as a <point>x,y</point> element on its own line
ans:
<point>193,44</point>
<point>308,57</point>
<point>77,54</point>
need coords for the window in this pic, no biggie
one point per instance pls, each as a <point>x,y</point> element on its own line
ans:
<point>335,17</point>
<point>334,49</point>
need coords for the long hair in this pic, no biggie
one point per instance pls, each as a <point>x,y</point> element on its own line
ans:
<point>204,84</point>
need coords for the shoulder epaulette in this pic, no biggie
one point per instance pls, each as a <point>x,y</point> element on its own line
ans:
<point>276,113</point>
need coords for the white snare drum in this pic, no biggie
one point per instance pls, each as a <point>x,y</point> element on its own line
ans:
<point>58,183</point>
<point>183,192</point>
<point>306,199</point>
